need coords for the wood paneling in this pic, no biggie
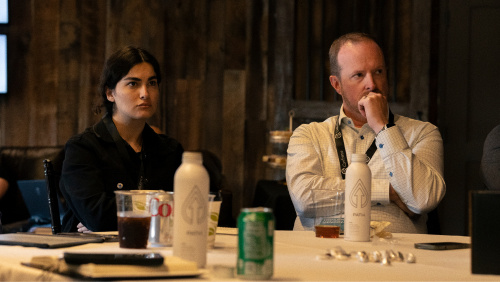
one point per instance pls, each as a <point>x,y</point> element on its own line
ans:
<point>230,68</point>
<point>92,37</point>
<point>213,89</point>
<point>44,81</point>
<point>319,22</point>
<point>233,138</point>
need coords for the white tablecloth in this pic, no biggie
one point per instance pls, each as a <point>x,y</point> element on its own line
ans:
<point>295,258</point>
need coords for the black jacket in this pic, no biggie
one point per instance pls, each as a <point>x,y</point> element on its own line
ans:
<point>95,165</point>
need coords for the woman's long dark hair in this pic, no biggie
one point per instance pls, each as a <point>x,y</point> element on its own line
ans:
<point>116,67</point>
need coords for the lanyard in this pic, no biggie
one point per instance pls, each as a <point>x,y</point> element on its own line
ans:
<point>339,142</point>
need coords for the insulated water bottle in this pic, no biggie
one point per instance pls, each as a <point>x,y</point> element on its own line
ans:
<point>191,188</point>
<point>357,200</point>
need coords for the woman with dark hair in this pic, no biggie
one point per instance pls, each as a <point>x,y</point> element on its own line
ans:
<point>120,152</point>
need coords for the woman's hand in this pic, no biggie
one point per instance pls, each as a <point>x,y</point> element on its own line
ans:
<point>82,228</point>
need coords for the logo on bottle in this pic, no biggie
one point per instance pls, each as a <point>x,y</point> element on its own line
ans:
<point>359,195</point>
<point>157,208</point>
<point>194,208</point>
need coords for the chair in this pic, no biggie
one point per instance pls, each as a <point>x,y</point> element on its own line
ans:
<point>52,184</point>
<point>218,186</point>
<point>274,194</point>
<point>433,223</point>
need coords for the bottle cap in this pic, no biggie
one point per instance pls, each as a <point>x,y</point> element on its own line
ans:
<point>192,157</point>
<point>358,158</point>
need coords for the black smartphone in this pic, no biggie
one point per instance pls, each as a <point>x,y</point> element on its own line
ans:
<point>442,246</point>
<point>114,258</point>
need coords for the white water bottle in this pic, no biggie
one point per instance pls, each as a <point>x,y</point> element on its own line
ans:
<point>358,187</point>
<point>191,188</point>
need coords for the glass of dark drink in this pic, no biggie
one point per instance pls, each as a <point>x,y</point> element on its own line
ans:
<point>134,217</point>
<point>328,206</point>
<point>327,231</point>
<point>133,232</point>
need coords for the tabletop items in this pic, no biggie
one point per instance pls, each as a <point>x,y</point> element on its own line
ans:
<point>255,244</point>
<point>329,212</point>
<point>357,199</point>
<point>47,241</point>
<point>191,189</point>
<point>171,267</point>
<point>146,217</point>
<point>295,258</point>
<point>134,217</point>
<point>385,257</point>
<point>162,219</point>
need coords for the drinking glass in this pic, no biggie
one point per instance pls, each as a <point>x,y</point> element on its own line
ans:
<point>134,217</point>
<point>328,212</point>
<point>213,219</point>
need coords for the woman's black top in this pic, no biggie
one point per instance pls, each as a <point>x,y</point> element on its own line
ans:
<point>98,161</point>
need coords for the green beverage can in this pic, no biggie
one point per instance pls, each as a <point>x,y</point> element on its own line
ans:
<point>255,243</point>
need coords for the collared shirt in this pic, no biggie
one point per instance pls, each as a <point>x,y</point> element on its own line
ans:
<point>409,156</point>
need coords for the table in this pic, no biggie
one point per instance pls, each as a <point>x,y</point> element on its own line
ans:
<point>295,259</point>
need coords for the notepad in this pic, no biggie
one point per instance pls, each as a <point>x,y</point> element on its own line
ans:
<point>46,241</point>
<point>172,267</point>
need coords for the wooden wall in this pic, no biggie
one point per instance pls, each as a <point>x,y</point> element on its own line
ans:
<point>229,68</point>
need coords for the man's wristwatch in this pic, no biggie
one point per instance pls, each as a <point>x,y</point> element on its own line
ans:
<point>389,125</point>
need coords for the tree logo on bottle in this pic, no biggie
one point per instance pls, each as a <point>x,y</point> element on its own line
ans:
<point>359,195</point>
<point>194,208</point>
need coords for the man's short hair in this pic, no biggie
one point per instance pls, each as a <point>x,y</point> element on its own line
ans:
<point>354,37</point>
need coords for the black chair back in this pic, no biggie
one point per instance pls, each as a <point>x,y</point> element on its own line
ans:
<point>52,183</point>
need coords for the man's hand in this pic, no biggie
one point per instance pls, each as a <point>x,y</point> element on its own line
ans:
<point>394,197</point>
<point>375,109</point>
<point>82,228</point>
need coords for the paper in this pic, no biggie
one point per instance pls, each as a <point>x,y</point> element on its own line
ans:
<point>172,267</point>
